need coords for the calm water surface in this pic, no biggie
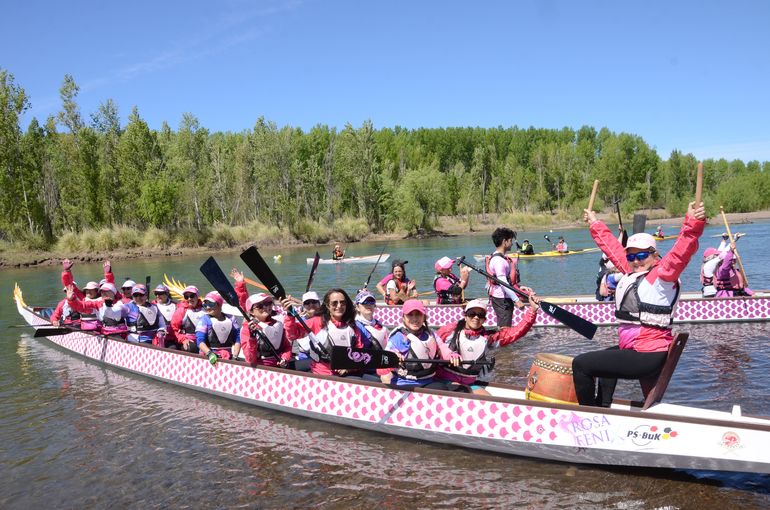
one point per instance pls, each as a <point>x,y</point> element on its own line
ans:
<point>79,435</point>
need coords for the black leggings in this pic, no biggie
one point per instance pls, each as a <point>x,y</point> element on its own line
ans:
<point>608,366</point>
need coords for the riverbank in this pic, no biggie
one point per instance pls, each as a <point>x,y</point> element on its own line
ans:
<point>448,226</point>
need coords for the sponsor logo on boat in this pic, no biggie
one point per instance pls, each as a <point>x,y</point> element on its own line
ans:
<point>731,441</point>
<point>643,435</point>
<point>588,431</point>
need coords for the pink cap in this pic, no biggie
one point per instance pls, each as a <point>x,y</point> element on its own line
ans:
<point>214,297</point>
<point>412,305</point>
<point>256,299</point>
<point>109,286</point>
<point>476,303</point>
<point>710,252</point>
<point>192,289</point>
<point>443,263</point>
<point>641,241</point>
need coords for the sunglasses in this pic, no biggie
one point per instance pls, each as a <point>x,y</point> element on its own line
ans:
<point>334,304</point>
<point>476,315</point>
<point>161,293</point>
<point>209,304</point>
<point>138,294</point>
<point>190,296</point>
<point>642,255</point>
<point>264,305</point>
<point>369,302</point>
<point>311,302</point>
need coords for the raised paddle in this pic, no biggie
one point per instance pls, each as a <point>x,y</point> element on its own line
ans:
<point>316,259</point>
<point>572,321</point>
<point>735,250</point>
<point>549,240</point>
<point>699,185</point>
<point>254,283</point>
<point>221,283</point>
<point>623,233</point>
<point>349,358</point>
<point>368,278</point>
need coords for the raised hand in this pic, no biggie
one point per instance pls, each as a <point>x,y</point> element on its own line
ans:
<point>589,216</point>
<point>698,212</point>
<point>107,266</point>
<point>66,264</point>
<point>237,275</point>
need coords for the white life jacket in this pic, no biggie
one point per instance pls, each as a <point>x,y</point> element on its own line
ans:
<point>638,301</point>
<point>222,333</point>
<point>147,319</point>
<point>191,318</point>
<point>418,349</point>
<point>332,335</point>
<point>378,334</point>
<point>167,309</point>
<point>274,334</point>
<point>111,315</point>
<point>470,348</point>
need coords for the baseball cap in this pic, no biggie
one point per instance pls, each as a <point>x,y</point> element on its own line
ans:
<point>641,241</point>
<point>412,305</point>
<point>364,296</point>
<point>476,303</point>
<point>310,295</point>
<point>443,263</point>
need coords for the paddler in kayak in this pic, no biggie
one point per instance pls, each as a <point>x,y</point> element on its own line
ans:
<point>217,334</point>
<point>562,246</point>
<point>469,340</point>
<point>338,253</point>
<point>659,232</point>
<point>449,288</point>
<point>527,248</point>
<point>645,301</point>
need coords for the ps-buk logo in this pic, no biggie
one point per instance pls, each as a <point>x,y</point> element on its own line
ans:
<point>646,434</point>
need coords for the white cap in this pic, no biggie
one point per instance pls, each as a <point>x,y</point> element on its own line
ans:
<point>128,283</point>
<point>310,296</point>
<point>641,241</point>
<point>476,303</point>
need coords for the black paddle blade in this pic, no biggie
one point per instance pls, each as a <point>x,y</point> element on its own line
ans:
<point>219,281</point>
<point>259,267</point>
<point>316,259</point>
<point>44,332</point>
<point>348,358</point>
<point>576,323</point>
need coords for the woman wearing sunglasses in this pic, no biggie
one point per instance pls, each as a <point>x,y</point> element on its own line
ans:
<point>217,334</point>
<point>469,340</point>
<point>188,313</point>
<point>264,341</point>
<point>645,300</point>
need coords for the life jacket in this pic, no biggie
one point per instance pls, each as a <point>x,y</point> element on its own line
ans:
<point>470,348</point>
<point>68,313</point>
<point>450,296</point>
<point>513,272</point>
<point>376,333</point>
<point>191,318</point>
<point>400,286</point>
<point>222,334</point>
<point>147,319</point>
<point>167,309</point>
<point>111,316</point>
<point>418,349</point>
<point>329,336</point>
<point>527,249</point>
<point>273,333</point>
<point>631,307</point>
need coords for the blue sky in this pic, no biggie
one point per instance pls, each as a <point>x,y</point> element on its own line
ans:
<point>687,75</point>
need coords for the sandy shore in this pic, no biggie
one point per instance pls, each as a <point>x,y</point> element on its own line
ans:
<point>448,227</point>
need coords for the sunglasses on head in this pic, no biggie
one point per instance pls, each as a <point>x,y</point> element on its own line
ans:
<point>190,296</point>
<point>642,255</point>
<point>476,315</point>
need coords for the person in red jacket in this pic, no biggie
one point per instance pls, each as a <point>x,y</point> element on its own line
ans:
<point>645,301</point>
<point>469,340</point>
<point>263,340</point>
<point>184,320</point>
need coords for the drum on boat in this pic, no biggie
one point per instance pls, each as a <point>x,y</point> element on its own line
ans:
<point>550,379</point>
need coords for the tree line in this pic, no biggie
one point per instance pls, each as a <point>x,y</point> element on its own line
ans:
<point>69,174</point>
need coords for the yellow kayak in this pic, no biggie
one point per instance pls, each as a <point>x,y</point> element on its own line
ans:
<point>551,253</point>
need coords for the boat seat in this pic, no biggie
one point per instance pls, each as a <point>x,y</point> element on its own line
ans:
<point>654,387</point>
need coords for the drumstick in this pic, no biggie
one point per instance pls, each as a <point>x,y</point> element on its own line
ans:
<point>593,195</point>
<point>699,185</point>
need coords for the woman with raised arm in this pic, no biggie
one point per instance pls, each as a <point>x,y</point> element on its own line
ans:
<point>645,301</point>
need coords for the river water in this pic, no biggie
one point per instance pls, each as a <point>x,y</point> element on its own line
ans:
<point>80,435</point>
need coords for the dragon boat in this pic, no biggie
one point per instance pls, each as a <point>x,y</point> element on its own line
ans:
<point>653,434</point>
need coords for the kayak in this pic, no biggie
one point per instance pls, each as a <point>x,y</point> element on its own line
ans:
<point>366,259</point>
<point>552,253</point>
<point>664,435</point>
<point>664,238</point>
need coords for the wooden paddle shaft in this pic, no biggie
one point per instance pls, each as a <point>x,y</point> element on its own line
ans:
<point>735,250</point>
<point>699,185</point>
<point>593,195</point>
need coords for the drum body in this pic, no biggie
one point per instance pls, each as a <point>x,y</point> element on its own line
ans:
<point>550,379</point>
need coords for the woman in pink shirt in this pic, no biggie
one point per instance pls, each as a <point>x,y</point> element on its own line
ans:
<point>645,300</point>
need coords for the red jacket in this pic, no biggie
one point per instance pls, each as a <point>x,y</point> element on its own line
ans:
<point>250,347</point>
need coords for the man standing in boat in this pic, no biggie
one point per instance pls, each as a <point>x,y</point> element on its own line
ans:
<point>500,266</point>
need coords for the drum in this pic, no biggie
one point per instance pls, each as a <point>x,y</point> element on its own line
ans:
<point>550,379</point>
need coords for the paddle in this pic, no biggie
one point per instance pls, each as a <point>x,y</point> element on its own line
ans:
<point>623,233</point>
<point>735,250</point>
<point>221,284</point>
<point>316,259</point>
<point>572,321</point>
<point>368,278</point>
<point>54,331</point>
<point>593,195</point>
<point>254,261</point>
<point>348,358</point>
<point>549,240</point>
<point>254,283</point>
